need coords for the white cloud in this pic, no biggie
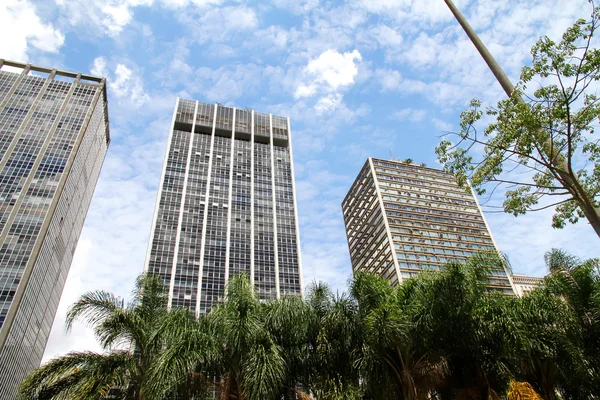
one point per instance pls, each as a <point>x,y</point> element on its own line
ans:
<point>115,17</point>
<point>328,104</point>
<point>441,125</point>
<point>410,114</point>
<point>297,6</point>
<point>334,68</point>
<point>389,80</point>
<point>386,36</point>
<point>218,24</point>
<point>305,90</point>
<point>99,67</point>
<point>326,75</point>
<point>111,17</point>
<point>123,82</point>
<point>108,17</point>
<point>22,29</point>
<point>273,36</point>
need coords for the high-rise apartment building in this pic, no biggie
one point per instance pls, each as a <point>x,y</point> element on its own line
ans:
<point>226,205</point>
<point>402,219</point>
<point>53,139</point>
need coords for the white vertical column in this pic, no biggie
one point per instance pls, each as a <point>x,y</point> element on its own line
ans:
<point>487,227</point>
<point>160,190</point>
<point>228,243</point>
<point>32,109</point>
<point>14,86</point>
<point>205,217</point>
<point>181,208</point>
<point>298,250</point>
<point>385,220</point>
<point>273,198</point>
<point>252,197</point>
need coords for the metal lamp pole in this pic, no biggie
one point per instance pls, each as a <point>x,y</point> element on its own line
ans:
<point>487,56</point>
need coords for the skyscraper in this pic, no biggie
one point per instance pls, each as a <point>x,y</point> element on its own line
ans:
<point>402,218</point>
<point>226,205</point>
<point>53,139</point>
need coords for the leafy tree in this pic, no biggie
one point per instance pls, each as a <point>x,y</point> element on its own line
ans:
<point>550,135</point>
<point>144,326</point>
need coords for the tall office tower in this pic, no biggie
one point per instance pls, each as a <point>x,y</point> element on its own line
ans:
<point>226,205</point>
<point>402,219</point>
<point>53,139</point>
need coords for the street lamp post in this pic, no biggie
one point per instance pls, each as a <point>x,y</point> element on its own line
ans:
<point>487,56</point>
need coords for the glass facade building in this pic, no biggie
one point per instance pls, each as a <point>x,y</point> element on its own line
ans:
<point>53,139</point>
<point>402,219</point>
<point>226,205</point>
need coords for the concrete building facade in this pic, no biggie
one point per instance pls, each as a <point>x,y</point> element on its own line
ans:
<point>53,139</point>
<point>525,284</point>
<point>226,205</point>
<point>403,218</point>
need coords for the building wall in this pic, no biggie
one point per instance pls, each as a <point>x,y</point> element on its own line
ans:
<point>430,218</point>
<point>54,136</point>
<point>368,239</point>
<point>225,206</point>
<point>525,284</point>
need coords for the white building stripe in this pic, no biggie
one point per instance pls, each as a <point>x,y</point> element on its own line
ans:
<point>181,209</point>
<point>160,190</point>
<point>385,220</point>
<point>252,198</point>
<point>231,158</point>
<point>510,279</point>
<point>273,197</point>
<point>299,250</point>
<point>205,217</point>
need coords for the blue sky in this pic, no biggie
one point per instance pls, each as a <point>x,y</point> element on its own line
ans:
<point>358,78</point>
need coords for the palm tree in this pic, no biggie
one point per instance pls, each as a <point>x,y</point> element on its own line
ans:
<point>294,326</point>
<point>577,282</point>
<point>144,327</point>
<point>253,350</point>
<point>334,373</point>
<point>548,342</point>
<point>390,363</point>
<point>455,317</point>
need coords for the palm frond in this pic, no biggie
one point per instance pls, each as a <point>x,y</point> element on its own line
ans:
<point>263,370</point>
<point>189,351</point>
<point>94,308</point>
<point>78,376</point>
<point>123,327</point>
<point>150,294</point>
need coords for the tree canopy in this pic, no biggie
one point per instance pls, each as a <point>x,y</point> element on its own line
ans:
<point>442,335</point>
<point>541,145</point>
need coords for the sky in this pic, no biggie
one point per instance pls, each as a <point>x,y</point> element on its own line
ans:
<point>359,78</point>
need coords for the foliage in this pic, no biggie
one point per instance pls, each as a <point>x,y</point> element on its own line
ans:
<point>144,327</point>
<point>577,283</point>
<point>442,335</point>
<point>544,147</point>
